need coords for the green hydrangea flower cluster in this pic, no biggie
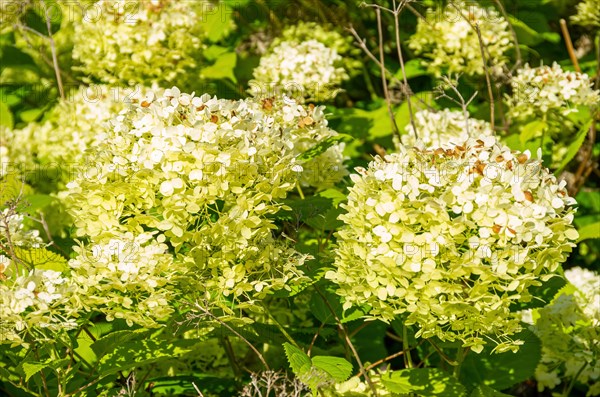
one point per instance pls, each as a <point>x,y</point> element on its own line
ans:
<point>451,238</point>
<point>569,331</point>
<point>307,62</point>
<point>58,146</point>
<point>206,175</point>
<point>444,129</point>
<point>448,39</point>
<point>588,14</point>
<point>129,277</point>
<point>36,299</point>
<point>140,41</point>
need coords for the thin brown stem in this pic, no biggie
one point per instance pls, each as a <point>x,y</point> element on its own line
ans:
<point>513,34</point>
<point>407,89</point>
<point>569,44</point>
<point>349,343</point>
<point>386,92</point>
<point>59,82</point>
<point>224,324</point>
<point>487,75</point>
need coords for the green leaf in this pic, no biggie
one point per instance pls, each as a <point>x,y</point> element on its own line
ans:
<point>423,382</point>
<point>31,115</point>
<point>217,20</point>
<point>338,368</point>
<point>104,344</point>
<point>412,68</point>
<point>486,391</point>
<point>501,371</point>
<point>322,146</point>
<point>589,232</point>
<point>142,352</point>
<point>299,362</point>
<point>38,202</point>
<point>573,148</point>
<point>6,117</point>
<point>222,68</point>
<point>42,259</point>
<point>31,368</point>
<point>532,130</point>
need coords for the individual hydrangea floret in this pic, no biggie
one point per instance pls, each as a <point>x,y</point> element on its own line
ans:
<point>205,174</point>
<point>128,277</point>
<point>444,129</point>
<point>448,39</point>
<point>588,14</point>
<point>451,238</point>
<point>307,62</point>
<point>549,89</point>
<point>568,329</point>
<point>141,42</point>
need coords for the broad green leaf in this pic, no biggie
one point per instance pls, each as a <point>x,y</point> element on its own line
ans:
<point>299,362</point>
<point>104,344</point>
<point>338,368</point>
<point>322,146</point>
<point>42,259</point>
<point>6,117</point>
<point>486,391</point>
<point>501,371</point>
<point>222,68</point>
<point>589,231</point>
<point>423,382</point>
<point>31,368</point>
<point>573,148</point>
<point>31,115</point>
<point>526,35</point>
<point>532,130</point>
<point>142,352</point>
<point>217,20</point>
<point>412,68</point>
<point>39,202</point>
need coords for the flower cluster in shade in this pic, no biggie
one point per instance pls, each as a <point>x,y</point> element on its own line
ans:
<point>448,39</point>
<point>444,129</point>
<point>569,331</point>
<point>308,62</point>
<point>549,89</point>
<point>450,238</point>
<point>141,42</point>
<point>58,146</point>
<point>204,176</point>
<point>588,14</point>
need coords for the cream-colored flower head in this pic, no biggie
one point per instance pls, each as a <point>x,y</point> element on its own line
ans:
<point>448,39</point>
<point>569,331</point>
<point>444,129</point>
<point>549,89</point>
<point>205,174</point>
<point>57,148</point>
<point>307,62</point>
<point>588,14</point>
<point>450,238</point>
<point>141,42</point>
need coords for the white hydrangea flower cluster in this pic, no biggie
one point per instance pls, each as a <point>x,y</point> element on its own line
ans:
<point>444,129</point>
<point>549,89</point>
<point>141,41</point>
<point>588,14</point>
<point>38,299</point>
<point>356,387</point>
<point>448,39</point>
<point>11,224</point>
<point>569,330</point>
<point>58,147</point>
<point>451,238</point>
<point>129,277</point>
<point>306,63</point>
<point>205,174</point>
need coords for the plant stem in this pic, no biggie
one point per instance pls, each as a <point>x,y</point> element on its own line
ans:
<point>569,44</point>
<point>574,379</point>
<point>54,54</point>
<point>487,76</point>
<point>460,357</point>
